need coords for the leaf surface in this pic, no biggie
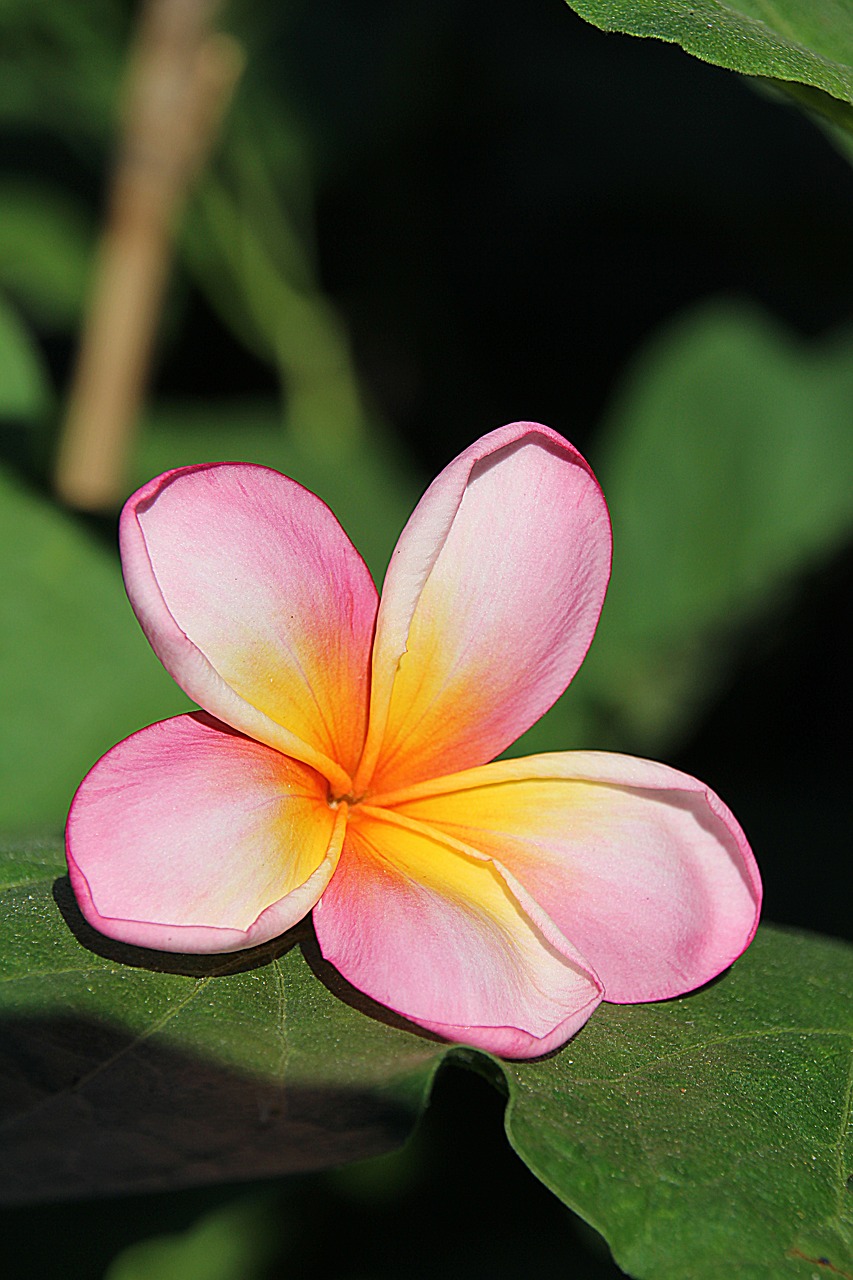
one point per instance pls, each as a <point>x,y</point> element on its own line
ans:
<point>125,1070</point>
<point>704,1137</point>
<point>709,1136</point>
<point>809,42</point>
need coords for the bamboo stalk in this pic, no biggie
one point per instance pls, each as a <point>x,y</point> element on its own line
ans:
<point>181,78</point>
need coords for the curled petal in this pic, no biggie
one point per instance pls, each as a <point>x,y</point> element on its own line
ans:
<point>258,604</point>
<point>189,837</point>
<point>436,935</point>
<point>489,605</point>
<point>643,868</point>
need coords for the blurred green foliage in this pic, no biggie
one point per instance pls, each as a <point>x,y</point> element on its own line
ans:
<point>236,1242</point>
<point>727,460</point>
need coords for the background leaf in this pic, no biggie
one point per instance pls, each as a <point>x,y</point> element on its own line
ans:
<point>727,461</point>
<point>231,1242</point>
<point>808,41</point>
<point>25,391</point>
<point>46,246</point>
<point>76,670</point>
<point>704,1137</point>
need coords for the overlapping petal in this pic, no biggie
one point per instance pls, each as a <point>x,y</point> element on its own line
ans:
<point>189,837</point>
<point>642,867</point>
<point>489,605</point>
<point>258,604</point>
<point>438,936</point>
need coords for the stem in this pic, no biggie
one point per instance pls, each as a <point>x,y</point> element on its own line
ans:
<point>180,81</point>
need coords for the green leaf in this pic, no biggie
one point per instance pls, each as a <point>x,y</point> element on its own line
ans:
<point>727,462</point>
<point>76,672</point>
<point>233,1242</point>
<point>704,1137</point>
<point>711,1136</point>
<point>45,252</point>
<point>25,391</point>
<point>809,42</point>
<point>128,1070</point>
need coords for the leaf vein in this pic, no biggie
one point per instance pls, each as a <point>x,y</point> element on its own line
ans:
<point>115,1057</point>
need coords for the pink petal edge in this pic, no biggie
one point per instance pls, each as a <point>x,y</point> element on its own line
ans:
<point>475,577</point>
<point>257,603</point>
<point>450,949</point>
<point>641,867</point>
<point>182,830</point>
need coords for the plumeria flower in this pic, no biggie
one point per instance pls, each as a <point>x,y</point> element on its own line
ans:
<point>340,762</point>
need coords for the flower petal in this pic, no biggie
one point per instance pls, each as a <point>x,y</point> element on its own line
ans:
<point>489,605</point>
<point>437,936</point>
<point>189,837</point>
<point>257,603</point>
<point>643,868</point>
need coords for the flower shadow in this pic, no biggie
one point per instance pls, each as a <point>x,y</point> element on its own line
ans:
<point>218,965</point>
<point>223,964</point>
<point>350,995</point>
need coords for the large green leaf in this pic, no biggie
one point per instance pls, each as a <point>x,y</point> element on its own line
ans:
<point>125,1070</point>
<point>727,462</point>
<point>808,42</point>
<point>704,1137</point>
<point>711,1136</point>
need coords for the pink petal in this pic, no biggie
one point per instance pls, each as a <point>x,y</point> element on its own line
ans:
<point>257,603</point>
<point>643,868</point>
<point>189,837</point>
<point>437,936</point>
<point>489,605</point>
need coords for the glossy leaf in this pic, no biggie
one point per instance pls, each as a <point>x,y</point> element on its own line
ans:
<point>709,1136</point>
<point>703,1137</point>
<point>809,42</point>
<point>128,1070</point>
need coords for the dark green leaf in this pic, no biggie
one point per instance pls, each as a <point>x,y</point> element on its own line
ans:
<point>809,42</point>
<point>25,391</point>
<point>705,1137</point>
<point>709,1137</point>
<point>45,252</point>
<point>127,1070</point>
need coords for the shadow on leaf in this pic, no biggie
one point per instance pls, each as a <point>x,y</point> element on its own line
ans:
<point>90,1109</point>
<point>193,966</point>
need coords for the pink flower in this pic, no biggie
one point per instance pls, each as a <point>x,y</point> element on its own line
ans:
<point>340,762</point>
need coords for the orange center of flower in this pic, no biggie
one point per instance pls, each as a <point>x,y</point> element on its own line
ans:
<point>335,801</point>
